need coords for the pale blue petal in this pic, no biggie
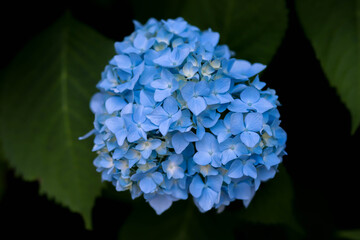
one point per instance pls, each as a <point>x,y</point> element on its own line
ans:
<point>115,124</point>
<point>242,191</point>
<point>123,62</point>
<point>237,123</point>
<point>120,136</point>
<point>179,143</point>
<point>202,158</point>
<point>238,106</point>
<point>207,199</point>
<point>196,186</point>
<point>196,105</point>
<point>157,177</point>
<point>157,116</point>
<point>225,98</point>
<point>160,95</point>
<point>254,122</point>
<point>114,103</point>
<point>190,137</point>
<point>202,88</point>
<point>255,69</point>
<point>139,115</point>
<point>215,182</point>
<point>271,160</point>
<point>262,105</point>
<point>227,156</point>
<point>206,143</point>
<point>161,83</point>
<point>188,90</point>
<point>250,95</point>
<point>164,126</point>
<point>249,169</point>
<point>236,169</point>
<point>160,203</point>
<point>147,184</point>
<point>250,139</point>
<point>222,85</point>
<point>170,105</point>
<point>148,126</point>
<point>218,128</point>
<point>133,134</point>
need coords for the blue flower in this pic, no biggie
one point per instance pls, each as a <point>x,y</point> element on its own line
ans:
<point>193,93</point>
<point>206,194</point>
<point>208,151</point>
<point>149,180</point>
<point>164,86</point>
<point>137,124</point>
<point>172,166</point>
<point>247,129</point>
<point>177,115</point>
<point>166,115</point>
<point>250,100</point>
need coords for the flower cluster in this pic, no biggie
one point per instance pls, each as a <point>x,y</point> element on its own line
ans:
<point>176,115</point>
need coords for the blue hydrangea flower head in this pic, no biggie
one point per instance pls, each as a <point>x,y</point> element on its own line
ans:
<point>176,116</point>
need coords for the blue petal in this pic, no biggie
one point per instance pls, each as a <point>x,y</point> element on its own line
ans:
<point>160,203</point>
<point>271,160</point>
<point>97,103</point>
<point>164,126</point>
<point>114,103</point>
<point>170,105</point>
<point>146,99</point>
<point>242,191</point>
<point>187,91</point>
<point>157,177</point>
<point>215,182</point>
<point>148,126</point>
<point>207,143</point>
<point>179,143</point>
<point>115,124</point>
<point>262,105</point>
<point>202,158</point>
<point>147,184</point>
<point>238,106</point>
<point>196,186</point>
<point>123,62</point>
<point>160,95</point>
<point>227,156</point>
<point>250,139</point>
<point>157,116</point>
<point>207,199</point>
<point>254,122</point>
<point>250,95</point>
<point>222,85</point>
<point>176,26</point>
<point>139,115</point>
<point>236,169</point>
<point>250,169</point>
<point>161,83</point>
<point>237,123</point>
<point>202,88</point>
<point>255,69</point>
<point>239,69</point>
<point>209,37</point>
<point>196,105</point>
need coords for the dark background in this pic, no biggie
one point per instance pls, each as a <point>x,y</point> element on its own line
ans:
<point>322,155</point>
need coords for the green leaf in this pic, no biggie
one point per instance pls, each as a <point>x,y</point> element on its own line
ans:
<point>45,108</point>
<point>349,234</point>
<point>181,222</point>
<point>253,29</point>
<point>333,28</point>
<point>273,203</point>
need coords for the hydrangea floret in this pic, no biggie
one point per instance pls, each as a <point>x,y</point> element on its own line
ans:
<point>176,117</point>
